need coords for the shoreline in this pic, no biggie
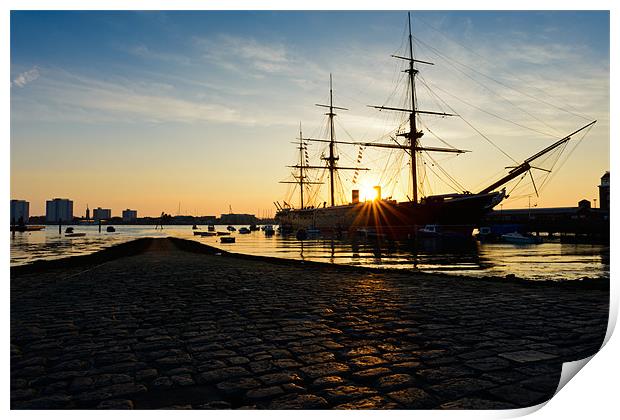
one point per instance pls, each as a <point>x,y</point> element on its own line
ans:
<point>136,246</point>
<point>169,323</point>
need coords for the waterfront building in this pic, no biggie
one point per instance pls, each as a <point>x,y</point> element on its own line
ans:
<point>20,211</point>
<point>237,219</point>
<point>87,213</point>
<point>584,204</point>
<point>59,209</point>
<point>130,215</point>
<point>102,214</point>
<point>603,192</point>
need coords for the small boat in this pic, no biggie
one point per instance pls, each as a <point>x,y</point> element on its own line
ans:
<point>230,228</point>
<point>223,233</point>
<point>205,233</point>
<point>370,233</point>
<point>26,228</point>
<point>211,228</point>
<point>429,231</point>
<point>227,239</point>
<point>194,227</point>
<point>307,233</point>
<point>269,230</point>
<point>110,229</point>
<point>493,233</point>
<point>519,238</point>
<point>69,230</point>
<point>253,227</point>
<point>244,231</point>
<point>75,235</point>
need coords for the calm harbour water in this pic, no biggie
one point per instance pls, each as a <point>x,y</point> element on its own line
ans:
<point>551,260</point>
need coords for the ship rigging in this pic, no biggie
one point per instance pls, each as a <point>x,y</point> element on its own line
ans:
<point>459,211</point>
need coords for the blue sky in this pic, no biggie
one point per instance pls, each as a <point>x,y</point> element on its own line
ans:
<point>149,109</point>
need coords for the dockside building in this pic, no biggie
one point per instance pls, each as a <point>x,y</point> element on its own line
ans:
<point>130,215</point>
<point>20,211</point>
<point>59,210</point>
<point>102,214</point>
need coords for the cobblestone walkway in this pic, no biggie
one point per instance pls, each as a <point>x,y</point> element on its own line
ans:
<point>174,329</point>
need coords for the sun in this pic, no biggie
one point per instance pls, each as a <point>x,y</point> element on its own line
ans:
<point>368,193</point>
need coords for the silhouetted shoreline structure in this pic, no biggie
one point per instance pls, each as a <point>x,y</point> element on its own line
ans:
<point>583,223</point>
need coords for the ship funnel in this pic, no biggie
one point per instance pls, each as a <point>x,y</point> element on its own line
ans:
<point>355,196</point>
<point>378,190</point>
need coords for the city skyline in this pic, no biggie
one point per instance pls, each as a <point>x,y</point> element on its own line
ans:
<point>91,211</point>
<point>148,109</point>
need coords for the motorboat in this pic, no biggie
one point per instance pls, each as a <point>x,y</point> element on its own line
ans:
<point>26,228</point>
<point>211,228</point>
<point>370,233</point>
<point>429,231</point>
<point>303,234</point>
<point>520,238</point>
<point>223,233</point>
<point>110,229</point>
<point>230,228</point>
<point>227,239</point>
<point>244,231</point>
<point>197,233</point>
<point>69,230</point>
<point>75,235</point>
<point>269,230</point>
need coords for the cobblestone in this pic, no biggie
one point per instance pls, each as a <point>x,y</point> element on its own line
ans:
<point>167,328</point>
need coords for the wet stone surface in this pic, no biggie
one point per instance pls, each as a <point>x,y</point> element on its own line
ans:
<point>169,329</point>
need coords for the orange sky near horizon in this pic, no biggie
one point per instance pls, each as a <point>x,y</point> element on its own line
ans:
<point>159,111</point>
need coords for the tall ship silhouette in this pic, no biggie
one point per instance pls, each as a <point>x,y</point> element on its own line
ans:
<point>456,213</point>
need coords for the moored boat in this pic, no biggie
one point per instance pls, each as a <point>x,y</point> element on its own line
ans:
<point>75,234</point>
<point>521,238</point>
<point>205,233</point>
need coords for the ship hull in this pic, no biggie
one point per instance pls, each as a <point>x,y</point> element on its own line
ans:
<point>459,213</point>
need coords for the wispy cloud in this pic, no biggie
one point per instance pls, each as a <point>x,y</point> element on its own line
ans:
<point>71,97</point>
<point>142,51</point>
<point>237,53</point>
<point>26,77</point>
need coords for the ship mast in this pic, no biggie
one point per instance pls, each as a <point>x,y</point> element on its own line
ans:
<point>413,131</point>
<point>331,159</point>
<point>414,135</point>
<point>301,178</point>
<point>301,168</point>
